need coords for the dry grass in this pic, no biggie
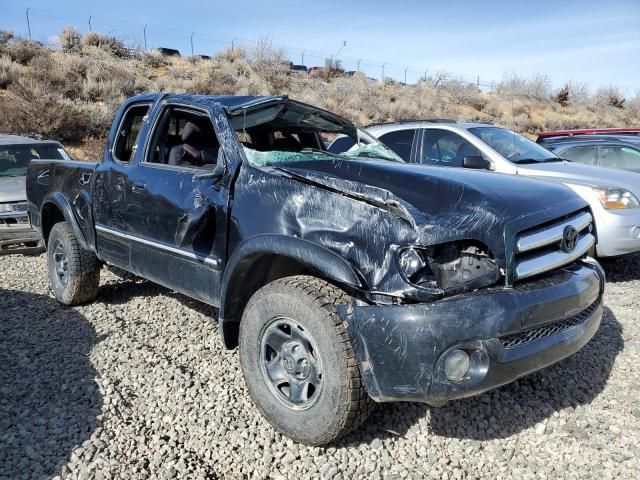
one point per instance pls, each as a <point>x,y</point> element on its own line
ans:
<point>71,94</point>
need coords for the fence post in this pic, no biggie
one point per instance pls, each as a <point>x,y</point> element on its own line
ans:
<point>405,75</point>
<point>192,33</point>
<point>144,34</point>
<point>382,78</point>
<point>359,60</point>
<point>90,23</point>
<point>302,59</point>
<point>28,23</point>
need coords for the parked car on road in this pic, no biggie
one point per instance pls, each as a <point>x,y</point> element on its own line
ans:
<point>16,234</point>
<point>342,278</point>
<point>613,196</point>
<point>614,150</point>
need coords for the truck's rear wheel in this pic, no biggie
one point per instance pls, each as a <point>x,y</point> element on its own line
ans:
<point>298,363</point>
<point>74,273</point>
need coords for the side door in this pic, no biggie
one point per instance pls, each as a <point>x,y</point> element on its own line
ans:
<point>402,142</point>
<point>178,201</point>
<point>110,196</point>
<point>444,148</point>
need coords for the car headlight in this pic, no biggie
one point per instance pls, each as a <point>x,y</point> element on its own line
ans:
<point>613,198</point>
<point>448,268</point>
<point>6,207</point>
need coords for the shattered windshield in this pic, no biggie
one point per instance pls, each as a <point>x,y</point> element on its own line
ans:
<point>258,158</point>
<point>513,147</point>
<point>284,131</point>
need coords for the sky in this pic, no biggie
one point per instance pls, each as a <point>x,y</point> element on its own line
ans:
<point>591,42</point>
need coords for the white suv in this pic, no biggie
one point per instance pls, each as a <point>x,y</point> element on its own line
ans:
<point>612,194</point>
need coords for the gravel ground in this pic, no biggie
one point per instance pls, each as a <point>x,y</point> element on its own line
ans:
<point>136,385</point>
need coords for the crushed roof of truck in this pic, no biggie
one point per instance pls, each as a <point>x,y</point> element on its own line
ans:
<point>248,111</point>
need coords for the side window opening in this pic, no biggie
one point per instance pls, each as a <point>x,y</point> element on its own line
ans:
<point>399,141</point>
<point>184,138</point>
<point>443,148</point>
<point>128,134</point>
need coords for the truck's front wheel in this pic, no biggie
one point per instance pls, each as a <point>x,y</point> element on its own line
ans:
<point>298,363</point>
<point>74,273</point>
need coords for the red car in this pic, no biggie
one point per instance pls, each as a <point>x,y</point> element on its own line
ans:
<point>589,131</point>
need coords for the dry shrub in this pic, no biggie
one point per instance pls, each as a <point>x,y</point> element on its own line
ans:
<point>536,86</point>
<point>9,71</point>
<point>70,40</point>
<point>5,36</point>
<point>22,50</point>
<point>29,107</point>
<point>110,44</point>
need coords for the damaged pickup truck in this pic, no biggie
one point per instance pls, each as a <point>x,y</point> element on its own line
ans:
<point>344,279</point>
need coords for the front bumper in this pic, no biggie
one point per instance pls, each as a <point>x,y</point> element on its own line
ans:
<point>509,332</point>
<point>22,240</point>
<point>618,231</point>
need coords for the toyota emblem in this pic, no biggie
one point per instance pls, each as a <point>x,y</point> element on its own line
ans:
<point>569,238</point>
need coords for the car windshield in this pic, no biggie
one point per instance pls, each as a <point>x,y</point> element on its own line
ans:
<point>513,147</point>
<point>14,159</point>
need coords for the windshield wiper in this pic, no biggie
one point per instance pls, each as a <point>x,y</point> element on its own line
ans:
<point>526,160</point>
<point>533,160</point>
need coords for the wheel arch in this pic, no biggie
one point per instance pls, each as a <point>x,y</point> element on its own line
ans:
<point>265,258</point>
<point>56,209</point>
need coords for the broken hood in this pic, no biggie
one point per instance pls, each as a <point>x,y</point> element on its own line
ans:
<point>444,204</point>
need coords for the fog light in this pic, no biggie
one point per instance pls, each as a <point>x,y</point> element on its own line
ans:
<point>456,365</point>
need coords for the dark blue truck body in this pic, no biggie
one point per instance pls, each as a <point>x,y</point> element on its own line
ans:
<point>218,231</point>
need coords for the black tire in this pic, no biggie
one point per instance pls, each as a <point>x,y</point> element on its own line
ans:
<point>79,281</point>
<point>338,403</point>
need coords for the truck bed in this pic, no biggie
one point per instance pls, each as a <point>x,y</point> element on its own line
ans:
<point>66,184</point>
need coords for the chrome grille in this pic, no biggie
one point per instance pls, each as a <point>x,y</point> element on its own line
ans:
<point>536,333</point>
<point>539,250</point>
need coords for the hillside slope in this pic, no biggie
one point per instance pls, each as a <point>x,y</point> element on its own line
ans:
<point>72,93</point>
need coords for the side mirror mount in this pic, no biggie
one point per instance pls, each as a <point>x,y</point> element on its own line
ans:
<point>477,162</point>
<point>217,171</point>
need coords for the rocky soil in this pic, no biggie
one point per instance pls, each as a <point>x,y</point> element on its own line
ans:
<point>136,385</point>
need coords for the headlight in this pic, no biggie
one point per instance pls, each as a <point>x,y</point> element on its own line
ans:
<point>613,198</point>
<point>6,207</point>
<point>411,262</point>
<point>448,268</point>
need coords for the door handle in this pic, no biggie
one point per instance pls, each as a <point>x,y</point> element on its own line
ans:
<point>138,187</point>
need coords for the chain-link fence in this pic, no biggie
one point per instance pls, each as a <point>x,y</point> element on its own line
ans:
<point>45,25</point>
